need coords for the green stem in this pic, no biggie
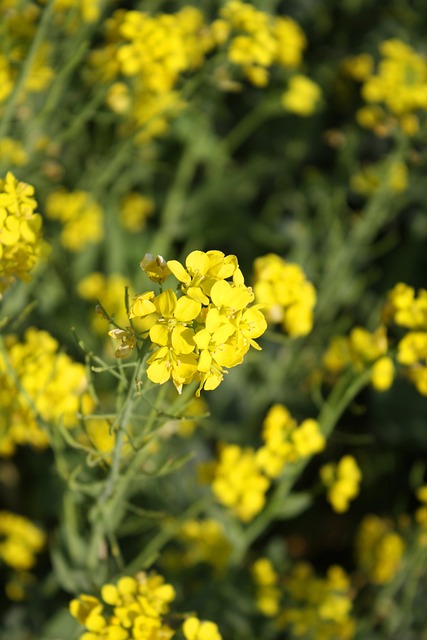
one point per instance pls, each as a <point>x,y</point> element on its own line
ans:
<point>169,226</point>
<point>339,399</point>
<point>26,68</point>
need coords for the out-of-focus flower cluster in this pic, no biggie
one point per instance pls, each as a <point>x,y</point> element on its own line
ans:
<point>342,480</point>
<point>18,25</point>
<point>359,350</point>
<point>135,607</point>
<point>20,541</point>
<point>308,605</point>
<point>145,57</point>
<point>379,549</point>
<point>38,383</point>
<point>205,331</point>
<point>406,309</point>
<point>286,296</point>
<point>21,242</point>
<point>200,542</point>
<point>242,476</point>
<point>395,89</point>
<point>80,215</point>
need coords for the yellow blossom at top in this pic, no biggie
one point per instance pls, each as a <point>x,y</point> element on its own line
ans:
<point>206,330</point>
<point>20,541</point>
<point>284,293</point>
<point>21,242</point>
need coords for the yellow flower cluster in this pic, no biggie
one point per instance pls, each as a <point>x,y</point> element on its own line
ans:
<point>20,541</point>
<point>285,441</point>
<point>21,242</point>
<point>302,96</point>
<point>342,481</point>
<point>135,609</point>
<point>396,91</point>
<point>147,55</point>
<point>408,310</point>
<point>285,294</point>
<point>243,476</point>
<point>134,211</point>
<point>379,549</point>
<point>19,23</point>
<point>239,483</point>
<point>88,10</point>
<point>320,607</point>
<point>12,152</point>
<point>205,331</point>
<point>268,594</point>
<point>38,380</point>
<point>371,177</point>
<point>138,607</point>
<point>263,41</point>
<point>204,542</point>
<point>360,350</point>
<point>82,218</point>
<point>195,629</point>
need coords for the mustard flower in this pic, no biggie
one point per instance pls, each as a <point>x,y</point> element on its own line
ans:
<point>360,350</point>
<point>20,541</point>
<point>315,606</point>
<point>285,296</point>
<point>135,210</point>
<point>285,441</point>
<point>199,335</point>
<point>195,629</point>
<point>46,384</point>
<point>379,549</point>
<point>342,480</point>
<point>136,606</point>
<point>204,541</point>
<point>82,218</point>
<point>21,244</point>
<point>302,96</point>
<point>396,91</point>
<point>267,583</point>
<point>238,482</point>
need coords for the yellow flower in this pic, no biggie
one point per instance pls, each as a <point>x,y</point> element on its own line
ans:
<point>82,218</point>
<point>21,244</point>
<point>134,211</point>
<point>284,295</point>
<point>302,96</point>
<point>194,629</point>
<point>20,541</point>
<point>342,480</point>
<point>379,549</point>
<point>238,483</point>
